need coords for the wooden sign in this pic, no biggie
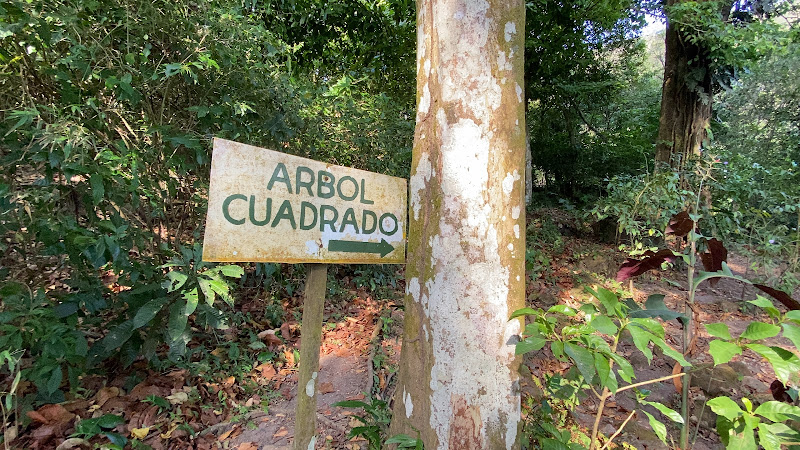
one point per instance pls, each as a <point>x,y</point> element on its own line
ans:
<point>269,206</point>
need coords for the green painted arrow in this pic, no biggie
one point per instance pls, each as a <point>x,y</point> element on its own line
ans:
<point>382,247</point>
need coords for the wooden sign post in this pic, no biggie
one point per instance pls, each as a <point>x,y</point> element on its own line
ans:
<point>268,206</point>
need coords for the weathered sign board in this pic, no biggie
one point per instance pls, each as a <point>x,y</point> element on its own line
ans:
<point>269,206</point>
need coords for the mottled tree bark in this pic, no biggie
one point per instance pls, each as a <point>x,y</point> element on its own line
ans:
<point>685,100</point>
<point>458,382</point>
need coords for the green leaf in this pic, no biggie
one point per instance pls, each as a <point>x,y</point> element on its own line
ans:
<point>403,441</point>
<point>118,335</point>
<point>793,315</point>
<point>523,312</point>
<point>624,368</point>
<point>725,407</point>
<point>232,271</point>
<point>670,413</point>
<point>530,344</point>
<point>722,351</point>
<point>583,359</point>
<point>659,428</point>
<point>784,362</point>
<point>177,321</point>
<point>147,312</point>
<point>109,421</point>
<point>766,305</point>
<point>760,330</point>
<point>54,382</point>
<point>792,333</point>
<point>778,411</point>
<point>607,298</point>
<point>767,438</point>
<point>98,191</point>
<point>719,330</point>
<point>205,287</point>
<point>641,339</point>
<point>671,352</point>
<point>604,325</point>
<point>607,377</point>
<point>562,309</point>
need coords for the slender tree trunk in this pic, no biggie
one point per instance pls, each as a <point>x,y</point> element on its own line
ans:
<point>458,383</point>
<point>685,100</point>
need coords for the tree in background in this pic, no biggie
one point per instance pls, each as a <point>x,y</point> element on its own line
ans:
<point>707,43</point>
<point>458,381</point>
<point>590,106</point>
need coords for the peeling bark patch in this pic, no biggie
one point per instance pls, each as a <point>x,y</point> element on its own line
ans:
<point>509,31</point>
<point>310,385</point>
<point>424,102</point>
<point>466,426</point>
<point>463,39</point>
<point>467,297</point>
<point>418,182</point>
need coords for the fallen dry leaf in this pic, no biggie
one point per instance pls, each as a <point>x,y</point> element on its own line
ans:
<point>229,381</point>
<point>281,432</point>
<point>247,446</point>
<point>225,435</point>
<point>104,394</point>
<point>270,337</point>
<point>140,433</point>
<point>326,388</point>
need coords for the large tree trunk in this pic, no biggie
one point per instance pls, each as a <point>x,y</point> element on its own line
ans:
<point>458,382</point>
<point>685,100</point>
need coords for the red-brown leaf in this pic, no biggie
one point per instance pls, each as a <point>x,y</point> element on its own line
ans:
<point>712,259</point>
<point>680,224</point>
<point>652,260</point>
<point>781,296</point>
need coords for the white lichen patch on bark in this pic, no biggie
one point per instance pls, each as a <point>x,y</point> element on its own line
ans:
<point>516,231</point>
<point>467,298</point>
<point>424,102</point>
<point>509,31</point>
<point>418,182</point>
<point>408,403</point>
<point>311,384</point>
<point>463,39</point>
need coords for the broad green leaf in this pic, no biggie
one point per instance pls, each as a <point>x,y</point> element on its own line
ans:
<point>760,330</point>
<point>659,428</point>
<point>110,421</point>
<point>191,298</point>
<point>205,288</point>
<point>98,191</point>
<point>232,271</point>
<point>625,369</point>
<point>744,440</point>
<point>725,273</point>
<point>604,325</point>
<point>670,413</point>
<point>719,330</point>
<point>651,325</point>
<point>146,313</point>
<point>607,377</point>
<point>552,444</point>
<point>671,352</point>
<point>557,347</point>
<point>562,309</point>
<point>766,305</point>
<point>177,321</point>
<point>781,431</point>
<point>54,382</point>
<point>641,339</point>
<point>222,289</point>
<point>778,411</point>
<point>784,362</point>
<point>767,438</point>
<point>722,351</point>
<point>118,335</point>
<point>792,333</point>
<point>403,441</point>
<point>530,344</point>
<point>607,298</point>
<point>725,407</point>
<point>175,281</point>
<point>793,315</point>
<point>523,312</point>
<point>583,359</point>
